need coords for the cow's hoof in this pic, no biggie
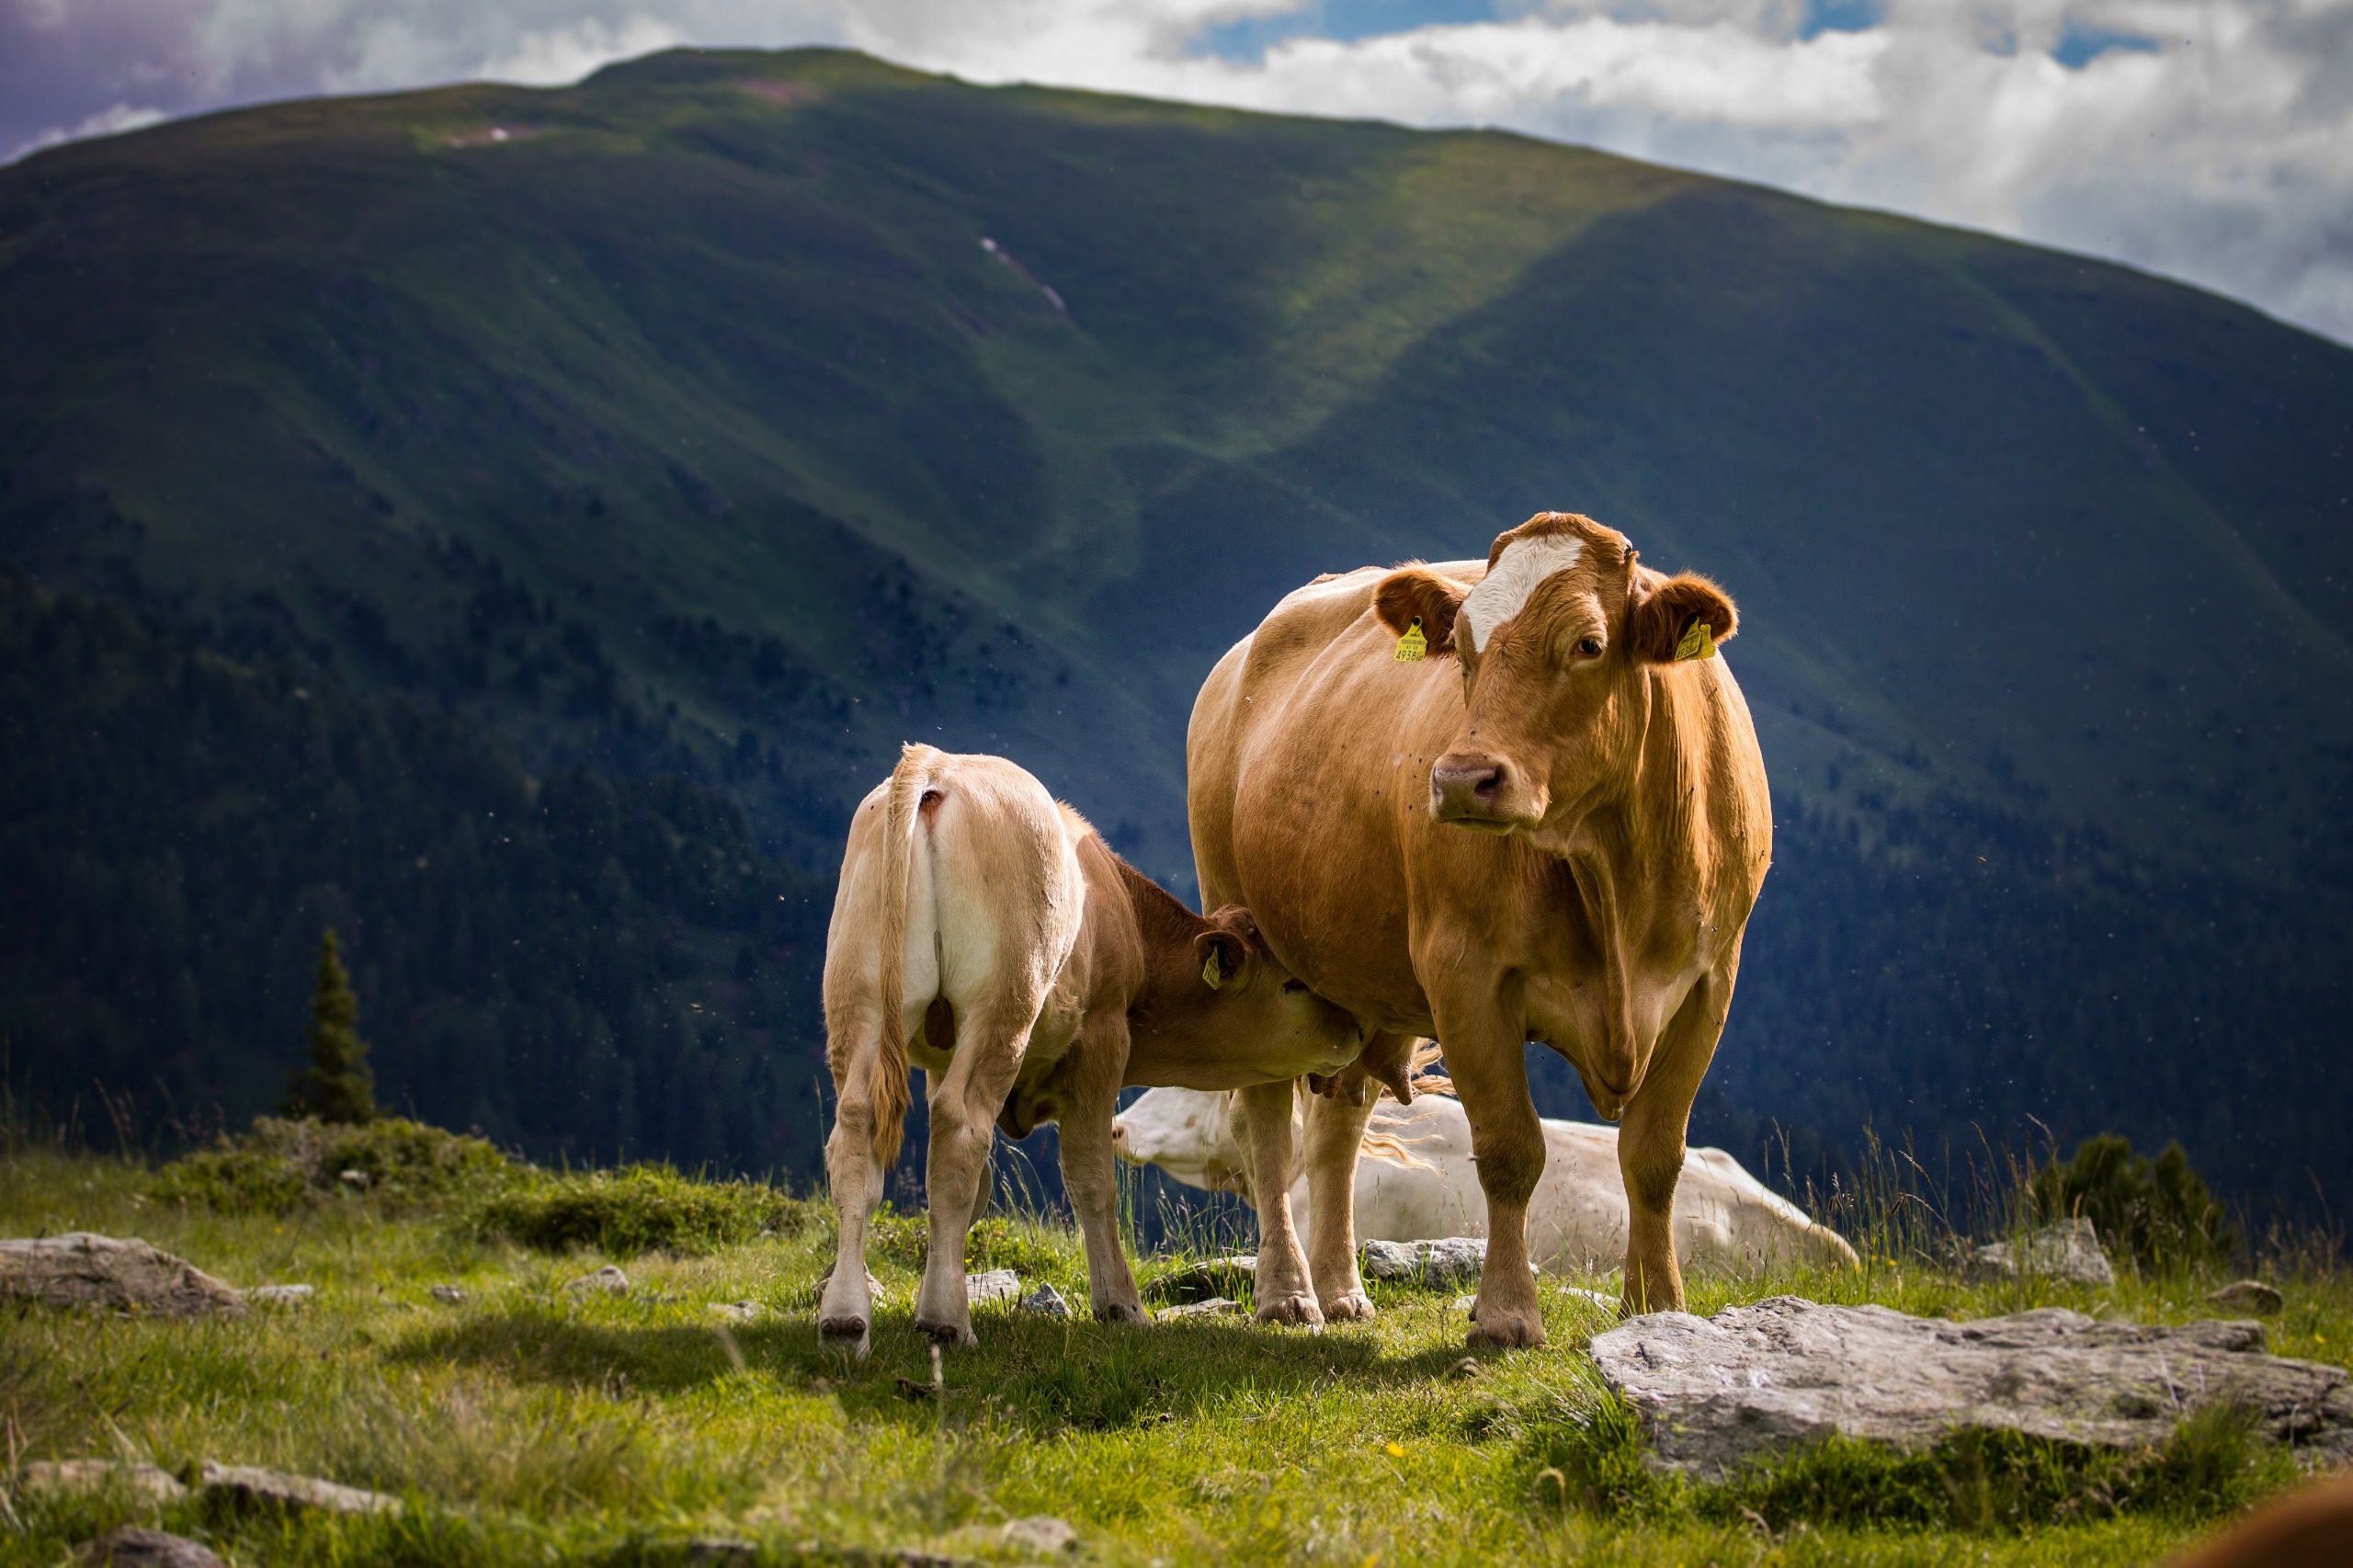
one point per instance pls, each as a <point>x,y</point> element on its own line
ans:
<point>845,1333</point>
<point>1495,1327</point>
<point>1122,1311</point>
<point>1354,1307</point>
<point>1299,1308</point>
<point>955,1335</point>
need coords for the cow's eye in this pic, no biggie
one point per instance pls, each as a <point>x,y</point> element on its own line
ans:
<point>1588,647</point>
<point>1291,985</point>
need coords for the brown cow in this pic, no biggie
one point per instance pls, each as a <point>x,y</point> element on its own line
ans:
<point>1493,802</point>
<point>984,932</point>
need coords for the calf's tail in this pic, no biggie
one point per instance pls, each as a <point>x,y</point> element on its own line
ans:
<point>887,1089</point>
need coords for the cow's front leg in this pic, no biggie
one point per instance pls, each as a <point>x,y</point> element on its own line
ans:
<point>846,1311</point>
<point>1485,1055</point>
<point>964,1102</point>
<point>1651,1144</point>
<point>1285,1291</point>
<point>1335,1142</point>
<point>1089,1169</point>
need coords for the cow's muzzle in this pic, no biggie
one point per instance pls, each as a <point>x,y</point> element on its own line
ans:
<point>1483,793</point>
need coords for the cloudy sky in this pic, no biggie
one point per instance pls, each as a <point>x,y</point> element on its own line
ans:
<point>2211,140</point>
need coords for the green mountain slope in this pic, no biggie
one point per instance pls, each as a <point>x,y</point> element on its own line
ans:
<point>746,415</point>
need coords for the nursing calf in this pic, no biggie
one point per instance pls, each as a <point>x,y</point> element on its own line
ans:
<point>1420,1182</point>
<point>984,932</point>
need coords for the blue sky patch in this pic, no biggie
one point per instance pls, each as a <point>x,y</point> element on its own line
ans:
<point>1841,17</point>
<point>1249,37</point>
<point>2080,45</point>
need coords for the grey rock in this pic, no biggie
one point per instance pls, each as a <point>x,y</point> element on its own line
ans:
<point>2248,1296</point>
<point>131,1547</point>
<point>1047,1300</point>
<point>996,1285</point>
<point>1206,1280</point>
<point>1464,1303</point>
<point>1439,1265</point>
<point>1042,1533</point>
<point>79,1270</point>
<point>2068,1250</point>
<point>151,1481</point>
<point>739,1312</point>
<point>450,1295</point>
<point>608,1279</point>
<point>277,1295</point>
<point>1784,1371</point>
<point>247,1484</point>
<point>1594,1298</point>
<point>1215,1307</point>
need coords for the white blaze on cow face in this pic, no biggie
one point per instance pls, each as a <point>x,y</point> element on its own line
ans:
<point>1526,563</point>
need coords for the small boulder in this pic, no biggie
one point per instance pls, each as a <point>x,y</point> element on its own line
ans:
<point>2251,1296</point>
<point>996,1285</point>
<point>450,1295</point>
<point>151,1481</point>
<point>277,1295</point>
<point>131,1547</point>
<point>1593,1299</point>
<point>1439,1265</point>
<point>1201,1281</point>
<point>246,1483</point>
<point>739,1312</point>
<point>1782,1372</point>
<point>1040,1533</point>
<point>1215,1307</point>
<point>2069,1250</point>
<point>1047,1300</point>
<point>608,1279</point>
<point>79,1270</point>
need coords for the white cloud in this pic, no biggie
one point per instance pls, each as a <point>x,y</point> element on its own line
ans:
<point>2214,143</point>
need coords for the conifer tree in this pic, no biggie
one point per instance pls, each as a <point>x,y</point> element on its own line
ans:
<point>336,1086</point>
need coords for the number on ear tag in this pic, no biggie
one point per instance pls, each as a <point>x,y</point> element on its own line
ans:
<point>1700,642</point>
<point>1212,972</point>
<point>1411,645</point>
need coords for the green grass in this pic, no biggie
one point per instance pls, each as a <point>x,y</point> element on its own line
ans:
<point>527,1424</point>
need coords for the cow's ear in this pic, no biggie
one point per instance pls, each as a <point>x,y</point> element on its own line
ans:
<point>1667,614</point>
<point>1228,948</point>
<point>1417,593</point>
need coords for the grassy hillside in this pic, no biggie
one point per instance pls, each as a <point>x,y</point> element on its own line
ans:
<point>526,1423</point>
<point>750,413</point>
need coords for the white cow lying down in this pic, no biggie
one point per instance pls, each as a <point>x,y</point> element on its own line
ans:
<point>1417,1181</point>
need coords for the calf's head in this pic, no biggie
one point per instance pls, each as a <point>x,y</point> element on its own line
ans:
<point>1556,647</point>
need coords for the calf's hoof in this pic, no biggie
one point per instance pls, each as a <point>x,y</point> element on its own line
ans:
<point>845,1333</point>
<point>955,1335</point>
<point>1298,1309</point>
<point>1505,1329</point>
<point>1354,1307</point>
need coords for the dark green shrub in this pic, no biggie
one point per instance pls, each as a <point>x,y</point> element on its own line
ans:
<point>2158,1211</point>
<point>638,1208</point>
<point>279,1166</point>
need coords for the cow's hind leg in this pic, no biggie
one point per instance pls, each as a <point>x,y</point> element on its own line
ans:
<point>1335,1142</point>
<point>1089,1167</point>
<point>1286,1291</point>
<point>964,1104</point>
<point>845,1313</point>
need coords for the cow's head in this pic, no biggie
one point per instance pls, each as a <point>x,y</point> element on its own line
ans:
<point>1556,646</point>
<point>1186,1133</point>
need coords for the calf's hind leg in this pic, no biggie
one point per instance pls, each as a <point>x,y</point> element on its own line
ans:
<point>846,1311</point>
<point>964,1103</point>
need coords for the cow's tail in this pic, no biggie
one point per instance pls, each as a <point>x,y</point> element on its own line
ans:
<point>887,1089</point>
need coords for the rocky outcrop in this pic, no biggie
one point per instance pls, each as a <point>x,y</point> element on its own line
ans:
<point>153,1483</point>
<point>609,1281</point>
<point>2069,1250</point>
<point>2248,1297</point>
<point>244,1484</point>
<point>996,1285</point>
<point>1046,1300</point>
<point>132,1546</point>
<point>1215,1307</point>
<point>1439,1265</point>
<point>83,1270</point>
<point>1713,1391</point>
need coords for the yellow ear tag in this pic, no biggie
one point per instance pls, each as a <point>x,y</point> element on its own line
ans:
<point>1212,972</point>
<point>1410,646</point>
<point>1700,642</point>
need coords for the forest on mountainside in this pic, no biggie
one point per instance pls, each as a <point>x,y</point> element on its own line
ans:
<point>580,967</point>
